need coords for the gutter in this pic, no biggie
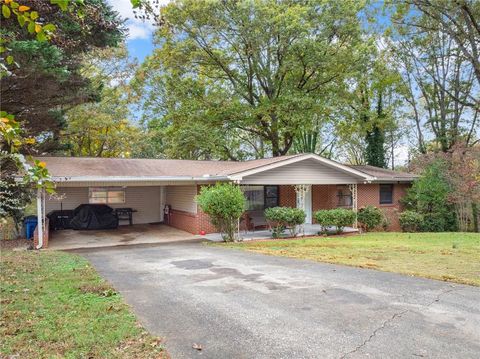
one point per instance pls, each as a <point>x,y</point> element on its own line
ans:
<point>396,180</point>
<point>58,179</point>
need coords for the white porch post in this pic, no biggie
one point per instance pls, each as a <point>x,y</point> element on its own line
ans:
<point>353,191</point>
<point>40,216</point>
<point>301,190</point>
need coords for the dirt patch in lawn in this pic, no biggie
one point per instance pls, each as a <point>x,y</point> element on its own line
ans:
<point>10,244</point>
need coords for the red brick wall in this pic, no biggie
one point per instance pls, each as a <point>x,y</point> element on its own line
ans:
<point>204,224</point>
<point>369,194</point>
<point>192,222</point>
<point>183,220</point>
<point>287,196</point>
<point>323,197</point>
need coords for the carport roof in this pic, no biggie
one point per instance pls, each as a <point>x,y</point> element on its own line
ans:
<point>76,168</point>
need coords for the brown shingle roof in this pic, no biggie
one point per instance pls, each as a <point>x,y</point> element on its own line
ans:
<point>139,167</point>
<point>384,174</point>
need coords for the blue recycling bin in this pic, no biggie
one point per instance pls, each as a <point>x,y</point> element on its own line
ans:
<point>30,224</point>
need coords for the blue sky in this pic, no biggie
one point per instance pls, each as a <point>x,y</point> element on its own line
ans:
<point>139,41</point>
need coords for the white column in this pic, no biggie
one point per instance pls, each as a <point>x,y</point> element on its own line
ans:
<point>40,216</point>
<point>353,191</point>
<point>301,190</point>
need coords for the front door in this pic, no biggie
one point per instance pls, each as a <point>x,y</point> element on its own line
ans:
<point>307,204</point>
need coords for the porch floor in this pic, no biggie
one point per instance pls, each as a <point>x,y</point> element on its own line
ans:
<point>124,235</point>
<point>310,230</point>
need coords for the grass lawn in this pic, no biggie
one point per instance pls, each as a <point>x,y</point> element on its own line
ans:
<point>451,257</point>
<point>54,305</point>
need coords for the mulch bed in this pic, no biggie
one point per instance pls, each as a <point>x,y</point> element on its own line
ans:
<point>19,243</point>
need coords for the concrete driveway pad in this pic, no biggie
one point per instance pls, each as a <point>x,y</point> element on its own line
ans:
<point>237,304</point>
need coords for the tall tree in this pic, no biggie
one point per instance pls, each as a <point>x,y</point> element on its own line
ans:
<point>440,86</point>
<point>458,20</point>
<point>369,108</point>
<point>47,79</point>
<point>103,128</point>
<point>257,70</point>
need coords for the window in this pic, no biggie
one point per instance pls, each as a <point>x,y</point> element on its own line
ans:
<point>271,196</point>
<point>344,197</point>
<point>255,197</point>
<point>106,195</point>
<point>386,193</point>
<point>260,197</point>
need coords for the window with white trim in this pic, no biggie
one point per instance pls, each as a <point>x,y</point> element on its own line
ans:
<point>386,193</point>
<point>106,195</point>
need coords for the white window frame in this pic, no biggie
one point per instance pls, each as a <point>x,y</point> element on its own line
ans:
<point>106,199</point>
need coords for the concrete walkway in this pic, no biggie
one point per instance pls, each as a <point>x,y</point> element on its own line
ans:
<point>308,230</point>
<point>122,236</point>
<point>237,304</point>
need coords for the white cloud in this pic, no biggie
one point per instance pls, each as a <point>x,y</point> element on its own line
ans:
<point>137,29</point>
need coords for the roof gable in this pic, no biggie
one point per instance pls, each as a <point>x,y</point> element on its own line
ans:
<point>352,172</point>
<point>305,171</point>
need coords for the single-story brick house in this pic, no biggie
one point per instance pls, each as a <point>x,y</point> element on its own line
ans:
<point>150,185</point>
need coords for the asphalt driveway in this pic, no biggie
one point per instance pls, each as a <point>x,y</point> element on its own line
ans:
<point>237,304</point>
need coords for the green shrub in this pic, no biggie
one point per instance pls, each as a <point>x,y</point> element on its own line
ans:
<point>281,218</point>
<point>370,217</point>
<point>411,221</point>
<point>429,195</point>
<point>224,203</point>
<point>338,217</point>
<point>439,222</point>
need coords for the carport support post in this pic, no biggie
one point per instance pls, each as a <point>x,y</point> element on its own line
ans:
<point>301,190</point>
<point>353,191</point>
<point>40,216</point>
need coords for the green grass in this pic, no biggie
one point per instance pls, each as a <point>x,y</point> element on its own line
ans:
<point>54,305</point>
<point>451,257</point>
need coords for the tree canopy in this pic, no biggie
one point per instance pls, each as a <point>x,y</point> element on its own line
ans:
<point>257,71</point>
<point>46,79</point>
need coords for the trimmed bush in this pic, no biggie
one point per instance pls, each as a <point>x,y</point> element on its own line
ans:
<point>281,218</point>
<point>224,203</point>
<point>370,217</point>
<point>411,221</point>
<point>338,217</point>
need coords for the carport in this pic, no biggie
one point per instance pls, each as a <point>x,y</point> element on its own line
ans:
<point>164,205</point>
<point>122,236</point>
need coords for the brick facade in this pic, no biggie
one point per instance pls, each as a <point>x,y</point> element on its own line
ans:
<point>369,194</point>
<point>287,196</point>
<point>182,220</point>
<point>323,197</point>
<point>191,222</point>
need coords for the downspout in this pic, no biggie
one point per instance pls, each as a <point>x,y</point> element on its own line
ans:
<point>40,217</point>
